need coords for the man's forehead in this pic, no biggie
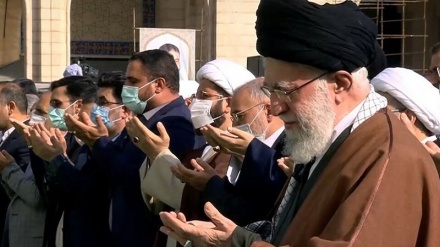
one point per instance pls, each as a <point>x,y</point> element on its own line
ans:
<point>105,92</point>
<point>45,98</point>
<point>59,93</point>
<point>241,100</point>
<point>207,86</point>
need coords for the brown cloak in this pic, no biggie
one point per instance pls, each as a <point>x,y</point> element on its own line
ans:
<point>381,188</point>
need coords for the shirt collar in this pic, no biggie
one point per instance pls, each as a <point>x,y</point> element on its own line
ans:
<point>269,141</point>
<point>149,114</point>
<point>7,133</point>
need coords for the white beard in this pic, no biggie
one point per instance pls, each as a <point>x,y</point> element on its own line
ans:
<point>314,128</point>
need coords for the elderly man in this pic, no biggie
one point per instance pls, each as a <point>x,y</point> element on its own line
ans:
<point>356,158</point>
<point>410,93</point>
<point>248,179</point>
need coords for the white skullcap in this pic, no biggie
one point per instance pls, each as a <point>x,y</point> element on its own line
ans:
<point>225,74</point>
<point>414,92</point>
<point>187,88</point>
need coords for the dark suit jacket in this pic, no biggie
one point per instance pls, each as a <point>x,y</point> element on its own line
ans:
<point>257,188</point>
<point>132,223</point>
<point>83,199</point>
<point>52,193</point>
<point>17,147</point>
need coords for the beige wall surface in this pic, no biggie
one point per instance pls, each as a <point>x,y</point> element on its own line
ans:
<point>10,31</point>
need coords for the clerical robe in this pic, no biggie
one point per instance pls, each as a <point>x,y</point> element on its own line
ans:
<point>381,188</point>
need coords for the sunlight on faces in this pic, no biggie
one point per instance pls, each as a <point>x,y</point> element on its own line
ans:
<point>107,99</point>
<point>240,102</point>
<point>314,126</point>
<point>209,91</point>
<point>137,76</point>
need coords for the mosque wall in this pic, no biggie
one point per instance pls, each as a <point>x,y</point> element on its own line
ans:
<point>10,21</point>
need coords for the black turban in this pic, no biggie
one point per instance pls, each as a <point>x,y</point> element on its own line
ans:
<point>329,37</point>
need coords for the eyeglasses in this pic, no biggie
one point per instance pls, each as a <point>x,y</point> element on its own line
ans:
<point>206,95</point>
<point>235,117</point>
<point>104,102</point>
<point>285,95</point>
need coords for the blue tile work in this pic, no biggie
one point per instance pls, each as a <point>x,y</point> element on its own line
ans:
<point>106,48</point>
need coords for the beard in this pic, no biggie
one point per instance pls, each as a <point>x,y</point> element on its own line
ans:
<point>217,111</point>
<point>259,126</point>
<point>313,131</point>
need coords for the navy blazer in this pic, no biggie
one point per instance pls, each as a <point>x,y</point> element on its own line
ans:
<point>16,146</point>
<point>257,188</point>
<point>132,223</point>
<point>53,194</point>
<point>83,199</point>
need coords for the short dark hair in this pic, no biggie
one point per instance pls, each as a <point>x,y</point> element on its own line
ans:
<point>12,92</point>
<point>114,80</point>
<point>78,87</point>
<point>27,85</point>
<point>435,49</point>
<point>159,63</point>
<point>169,47</point>
<point>75,60</point>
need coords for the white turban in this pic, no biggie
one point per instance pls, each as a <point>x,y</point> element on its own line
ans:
<point>225,74</point>
<point>413,91</point>
<point>187,88</point>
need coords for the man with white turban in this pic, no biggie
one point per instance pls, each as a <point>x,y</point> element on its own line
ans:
<point>411,94</point>
<point>217,81</point>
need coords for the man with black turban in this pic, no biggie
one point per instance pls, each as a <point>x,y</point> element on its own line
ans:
<point>360,177</point>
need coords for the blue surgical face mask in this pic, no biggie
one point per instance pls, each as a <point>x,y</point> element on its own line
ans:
<point>104,113</point>
<point>56,116</point>
<point>130,98</point>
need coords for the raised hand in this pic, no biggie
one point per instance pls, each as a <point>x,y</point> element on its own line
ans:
<point>5,160</point>
<point>232,141</point>
<point>216,233</point>
<point>150,143</point>
<point>85,129</point>
<point>197,178</point>
<point>47,144</point>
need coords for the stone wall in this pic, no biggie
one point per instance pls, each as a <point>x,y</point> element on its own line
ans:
<point>235,29</point>
<point>10,38</point>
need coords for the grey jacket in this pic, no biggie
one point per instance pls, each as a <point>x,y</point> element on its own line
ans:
<point>26,214</point>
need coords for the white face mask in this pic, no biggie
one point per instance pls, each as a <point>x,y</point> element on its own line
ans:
<point>201,112</point>
<point>35,118</point>
<point>247,127</point>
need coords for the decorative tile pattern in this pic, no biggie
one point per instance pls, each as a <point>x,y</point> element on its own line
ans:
<point>105,27</point>
<point>106,48</point>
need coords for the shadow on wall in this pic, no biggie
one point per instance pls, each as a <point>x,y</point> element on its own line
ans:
<point>12,71</point>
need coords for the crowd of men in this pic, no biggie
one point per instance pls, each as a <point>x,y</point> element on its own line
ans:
<point>329,148</point>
